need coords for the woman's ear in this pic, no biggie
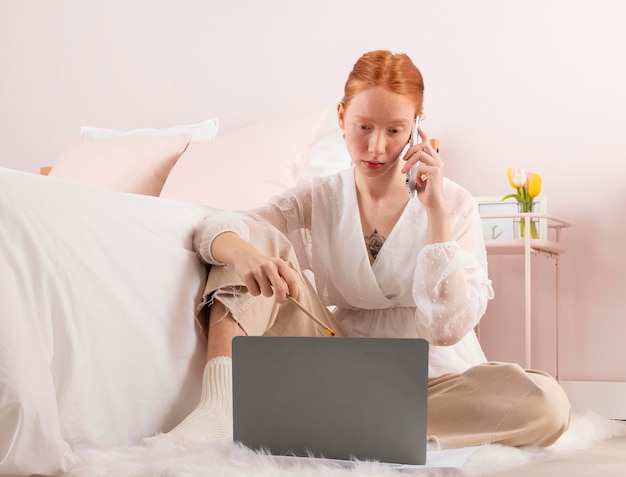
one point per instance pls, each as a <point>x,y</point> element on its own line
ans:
<point>341,114</point>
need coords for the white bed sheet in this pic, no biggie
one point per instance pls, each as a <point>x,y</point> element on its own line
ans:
<point>98,343</point>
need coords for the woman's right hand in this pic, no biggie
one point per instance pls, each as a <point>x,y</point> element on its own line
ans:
<point>261,274</point>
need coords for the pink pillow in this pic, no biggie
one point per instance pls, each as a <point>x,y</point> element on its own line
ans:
<point>126,164</point>
<point>242,169</point>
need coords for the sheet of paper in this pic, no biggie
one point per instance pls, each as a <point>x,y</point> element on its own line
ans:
<point>453,458</point>
<point>449,458</point>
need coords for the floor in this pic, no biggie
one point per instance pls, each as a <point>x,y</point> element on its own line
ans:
<point>606,458</point>
<point>584,450</point>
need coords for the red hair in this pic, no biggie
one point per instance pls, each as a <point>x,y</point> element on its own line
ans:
<point>394,71</point>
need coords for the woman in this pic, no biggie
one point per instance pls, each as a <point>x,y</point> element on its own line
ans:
<point>391,265</point>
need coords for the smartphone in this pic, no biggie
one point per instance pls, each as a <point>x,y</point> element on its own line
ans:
<point>410,182</point>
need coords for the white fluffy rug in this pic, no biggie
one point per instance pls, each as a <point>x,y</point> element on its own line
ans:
<point>231,460</point>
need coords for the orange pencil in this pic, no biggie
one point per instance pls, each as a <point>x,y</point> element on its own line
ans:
<point>311,315</point>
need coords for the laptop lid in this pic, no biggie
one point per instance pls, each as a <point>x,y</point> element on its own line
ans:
<point>338,398</point>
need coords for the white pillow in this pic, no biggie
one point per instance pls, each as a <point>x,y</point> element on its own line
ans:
<point>328,154</point>
<point>203,132</point>
<point>242,169</point>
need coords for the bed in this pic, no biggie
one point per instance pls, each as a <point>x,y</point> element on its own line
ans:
<point>99,346</point>
<point>98,342</point>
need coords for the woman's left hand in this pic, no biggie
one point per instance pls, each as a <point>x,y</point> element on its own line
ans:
<point>428,173</point>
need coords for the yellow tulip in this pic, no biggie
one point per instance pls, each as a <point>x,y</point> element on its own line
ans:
<point>508,176</point>
<point>534,185</point>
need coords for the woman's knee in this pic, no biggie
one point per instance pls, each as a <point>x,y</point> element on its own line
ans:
<point>552,407</point>
<point>272,242</point>
<point>535,409</point>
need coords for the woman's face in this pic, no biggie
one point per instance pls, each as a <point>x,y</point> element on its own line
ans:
<point>377,125</point>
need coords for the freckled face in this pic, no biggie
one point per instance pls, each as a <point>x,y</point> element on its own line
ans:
<point>377,125</point>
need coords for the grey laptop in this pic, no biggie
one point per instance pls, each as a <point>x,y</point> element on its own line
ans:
<point>338,398</point>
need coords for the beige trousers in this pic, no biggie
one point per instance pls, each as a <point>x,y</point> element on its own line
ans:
<point>490,403</point>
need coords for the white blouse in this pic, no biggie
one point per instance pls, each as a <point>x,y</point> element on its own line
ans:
<point>412,290</point>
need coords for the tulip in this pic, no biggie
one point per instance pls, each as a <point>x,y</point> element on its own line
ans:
<point>527,186</point>
<point>509,171</point>
<point>534,185</point>
<point>517,177</point>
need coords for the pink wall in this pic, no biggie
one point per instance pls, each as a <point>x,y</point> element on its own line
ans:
<point>538,84</point>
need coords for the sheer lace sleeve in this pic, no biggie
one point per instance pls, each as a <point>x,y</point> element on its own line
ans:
<point>451,285</point>
<point>212,226</point>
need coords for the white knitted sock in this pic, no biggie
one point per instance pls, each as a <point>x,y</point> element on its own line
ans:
<point>212,418</point>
